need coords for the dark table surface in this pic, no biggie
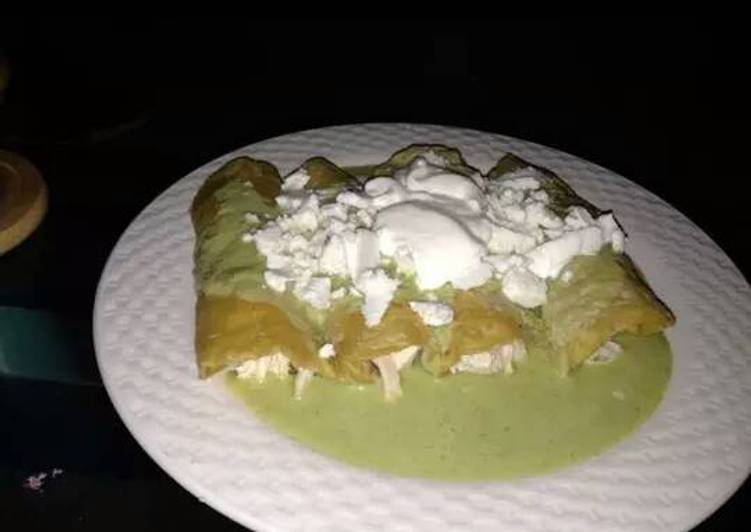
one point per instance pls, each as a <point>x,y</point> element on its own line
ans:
<point>114,111</point>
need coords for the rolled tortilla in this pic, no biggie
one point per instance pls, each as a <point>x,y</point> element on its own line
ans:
<point>358,346</point>
<point>238,318</point>
<point>605,295</point>
<point>600,296</point>
<point>483,321</point>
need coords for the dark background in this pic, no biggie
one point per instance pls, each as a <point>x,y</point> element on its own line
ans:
<point>113,110</point>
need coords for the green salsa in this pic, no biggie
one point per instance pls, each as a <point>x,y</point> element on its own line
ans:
<point>473,427</point>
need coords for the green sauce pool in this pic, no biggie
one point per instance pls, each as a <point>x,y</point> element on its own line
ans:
<point>473,427</point>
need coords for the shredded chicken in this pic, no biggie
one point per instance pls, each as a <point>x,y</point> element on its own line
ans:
<point>606,353</point>
<point>301,381</point>
<point>276,365</point>
<point>389,367</point>
<point>500,358</point>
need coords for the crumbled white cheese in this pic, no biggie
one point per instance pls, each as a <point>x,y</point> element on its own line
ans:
<point>316,291</point>
<point>515,214</point>
<point>378,289</point>
<point>524,287</point>
<point>431,224</point>
<point>277,279</point>
<point>504,197</point>
<point>537,213</point>
<point>247,238</point>
<point>521,183</point>
<point>506,240</point>
<point>433,314</point>
<point>334,211</point>
<point>268,240</point>
<point>281,262</point>
<point>252,218</point>
<point>578,218</point>
<point>297,243</point>
<point>296,180</point>
<point>334,257</point>
<point>289,202</point>
<point>338,227</point>
<point>547,259</point>
<point>304,218</point>
<point>504,262</point>
<point>361,251</point>
<point>327,351</point>
<point>540,195</point>
<point>276,365</point>
<point>364,218</point>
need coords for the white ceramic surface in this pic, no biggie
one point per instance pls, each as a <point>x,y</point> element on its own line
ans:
<point>680,466</point>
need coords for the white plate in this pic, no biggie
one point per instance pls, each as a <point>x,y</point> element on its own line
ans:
<point>679,467</point>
